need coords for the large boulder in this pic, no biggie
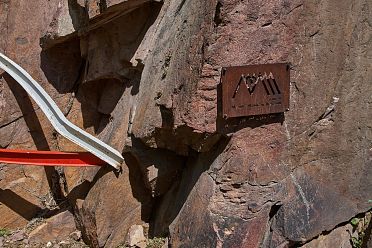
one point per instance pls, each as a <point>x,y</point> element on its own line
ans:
<point>285,178</point>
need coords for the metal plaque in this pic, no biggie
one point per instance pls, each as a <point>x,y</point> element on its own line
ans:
<point>255,89</point>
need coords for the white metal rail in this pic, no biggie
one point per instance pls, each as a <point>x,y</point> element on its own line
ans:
<point>56,117</point>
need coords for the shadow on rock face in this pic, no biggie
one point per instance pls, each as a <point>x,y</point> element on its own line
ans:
<point>97,101</point>
<point>64,69</point>
<point>18,204</point>
<point>160,167</point>
<point>80,191</point>
<point>62,65</point>
<point>168,206</point>
<point>36,132</point>
<point>112,204</point>
<point>138,190</point>
<point>101,65</point>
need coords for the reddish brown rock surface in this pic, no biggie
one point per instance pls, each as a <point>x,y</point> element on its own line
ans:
<point>143,76</point>
<point>59,227</point>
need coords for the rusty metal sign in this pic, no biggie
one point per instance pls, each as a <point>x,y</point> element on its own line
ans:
<point>255,89</point>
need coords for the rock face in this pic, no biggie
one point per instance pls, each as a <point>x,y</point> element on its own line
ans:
<point>59,227</point>
<point>144,76</point>
<point>339,237</point>
<point>25,191</point>
<point>112,206</point>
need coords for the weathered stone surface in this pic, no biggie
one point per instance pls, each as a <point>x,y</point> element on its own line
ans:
<point>112,206</point>
<point>25,191</point>
<point>68,16</point>
<point>112,47</point>
<point>169,78</point>
<point>16,236</point>
<point>136,237</point>
<point>139,72</point>
<point>56,228</point>
<point>319,146</point>
<point>236,208</point>
<point>74,18</point>
<point>339,237</point>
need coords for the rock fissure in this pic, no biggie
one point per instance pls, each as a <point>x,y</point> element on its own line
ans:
<point>12,121</point>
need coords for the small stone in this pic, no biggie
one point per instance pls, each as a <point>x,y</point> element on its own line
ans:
<point>136,235</point>
<point>64,244</point>
<point>17,236</point>
<point>57,227</point>
<point>49,244</point>
<point>166,244</point>
<point>76,235</point>
<point>1,241</point>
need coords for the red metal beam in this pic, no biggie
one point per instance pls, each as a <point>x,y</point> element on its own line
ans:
<point>49,158</point>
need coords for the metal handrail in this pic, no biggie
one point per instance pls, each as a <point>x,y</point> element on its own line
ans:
<point>57,118</point>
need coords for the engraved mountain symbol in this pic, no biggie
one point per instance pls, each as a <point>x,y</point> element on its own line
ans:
<point>251,81</point>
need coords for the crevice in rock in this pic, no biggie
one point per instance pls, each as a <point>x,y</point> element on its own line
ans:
<point>11,122</point>
<point>266,24</point>
<point>102,5</point>
<point>160,167</point>
<point>327,114</point>
<point>296,244</point>
<point>157,204</point>
<point>274,210</point>
<point>180,6</point>
<point>168,206</point>
<point>79,14</point>
<point>85,221</point>
<point>217,16</point>
<point>167,117</point>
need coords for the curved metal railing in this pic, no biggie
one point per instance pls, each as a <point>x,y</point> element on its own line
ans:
<point>56,117</point>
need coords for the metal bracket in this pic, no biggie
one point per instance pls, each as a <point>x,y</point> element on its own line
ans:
<point>56,117</point>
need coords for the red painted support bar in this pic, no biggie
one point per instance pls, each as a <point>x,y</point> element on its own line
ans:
<point>49,158</point>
